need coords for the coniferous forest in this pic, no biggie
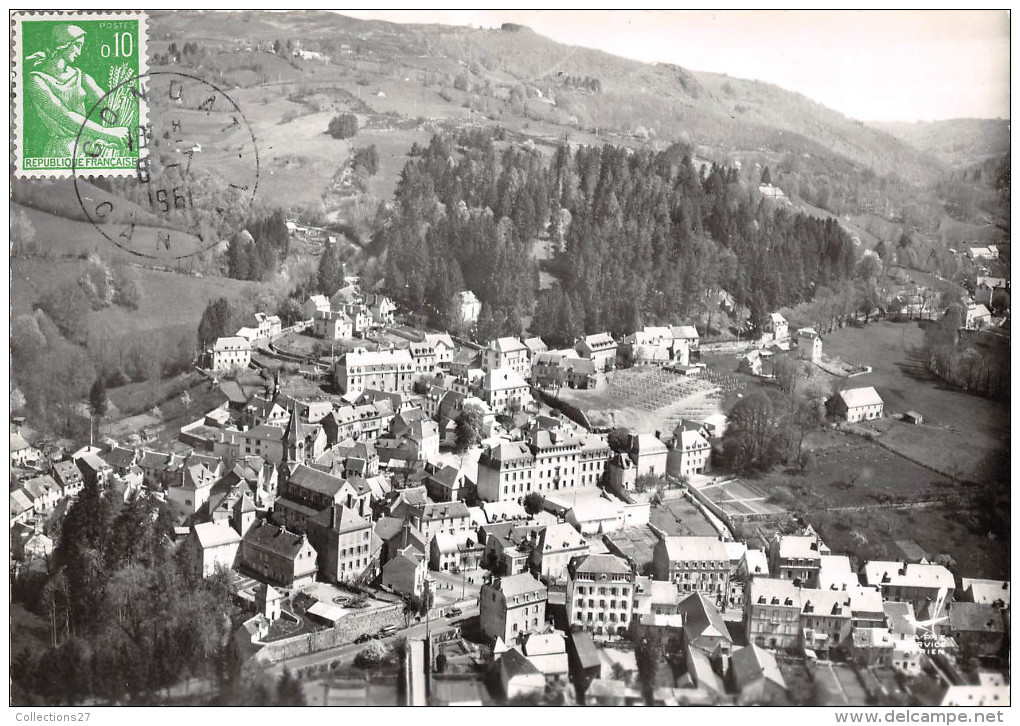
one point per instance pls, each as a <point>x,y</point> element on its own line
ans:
<point>638,238</point>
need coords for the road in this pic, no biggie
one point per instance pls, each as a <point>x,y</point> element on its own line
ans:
<point>347,652</point>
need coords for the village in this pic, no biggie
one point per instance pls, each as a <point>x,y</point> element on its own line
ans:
<point>445,516</point>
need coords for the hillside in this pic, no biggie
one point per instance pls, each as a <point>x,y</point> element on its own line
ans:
<point>956,142</point>
<point>662,101</point>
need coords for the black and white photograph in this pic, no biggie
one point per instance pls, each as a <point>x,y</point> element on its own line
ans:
<point>591,358</point>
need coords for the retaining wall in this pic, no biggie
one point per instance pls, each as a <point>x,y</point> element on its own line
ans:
<point>345,631</point>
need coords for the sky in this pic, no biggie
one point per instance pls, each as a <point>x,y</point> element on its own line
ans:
<point>870,65</point>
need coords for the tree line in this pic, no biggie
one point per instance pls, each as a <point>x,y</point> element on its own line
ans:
<point>651,238</point>
<point>959,359</point>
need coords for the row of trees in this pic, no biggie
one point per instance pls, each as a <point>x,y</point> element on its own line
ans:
<point>962,361</point>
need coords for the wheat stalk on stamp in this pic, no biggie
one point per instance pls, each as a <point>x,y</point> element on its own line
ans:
<point>121,100</point>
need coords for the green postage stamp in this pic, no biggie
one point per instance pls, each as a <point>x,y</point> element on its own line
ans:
<point>78,97</point>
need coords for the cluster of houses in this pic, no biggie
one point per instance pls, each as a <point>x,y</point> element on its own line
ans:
<point>348,313</point>
<point>362,489</point>
<point>795,598</point>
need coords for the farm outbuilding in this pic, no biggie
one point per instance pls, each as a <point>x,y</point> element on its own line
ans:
<point>913,417</point>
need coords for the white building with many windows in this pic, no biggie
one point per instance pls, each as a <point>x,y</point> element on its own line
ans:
<point>600,593</point>
<point>228,353</point>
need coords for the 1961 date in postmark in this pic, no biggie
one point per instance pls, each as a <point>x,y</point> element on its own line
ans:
<point>64,63</point>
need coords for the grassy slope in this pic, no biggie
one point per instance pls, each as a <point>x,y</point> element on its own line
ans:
<point>60,236</point>
<point>168,300</point>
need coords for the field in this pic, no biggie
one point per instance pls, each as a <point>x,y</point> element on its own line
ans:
<point>58,236</point>
<point>168,300</point>
<point>938,530</point>
<point>960,429</point>
<point>846,494</point>
<point>645,399</point>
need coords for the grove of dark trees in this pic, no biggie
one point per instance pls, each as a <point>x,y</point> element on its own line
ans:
<point>650,239</point>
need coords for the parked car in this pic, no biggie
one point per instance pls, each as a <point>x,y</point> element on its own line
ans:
<point>454,612</point>
<point>364,638</point>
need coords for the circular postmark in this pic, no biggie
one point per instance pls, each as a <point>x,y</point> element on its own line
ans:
<point>197,171</point>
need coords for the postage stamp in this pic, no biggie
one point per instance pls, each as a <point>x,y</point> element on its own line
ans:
<point>75,90</point>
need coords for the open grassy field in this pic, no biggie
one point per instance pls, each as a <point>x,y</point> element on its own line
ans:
<point>872,534</point>
<point>60,236</point>
<point>168,300</point>
<point>959,429</point>
<point>850,471</point>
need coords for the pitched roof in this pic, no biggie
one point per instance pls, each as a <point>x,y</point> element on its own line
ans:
<point>898,574</point>
<point>507,345</point>
<point>67,472</point>
<point>535,345</point>
<point>277,540</point>
<point>341,519</point>
<point>647,444</point>
<point>514,663</point>
<point>199,477</point>
<point>231,342</point>
<point>987,591</point>
<point>750,664</point>
<point>702,618</point>
<point>444,510</point>
<point>975,617</point>
<point>560,536</point>
<point>856,397</point>
<point>210,534</point>
<point>313,480</point>
<point>686,548</point>
<point>20,502</point>
<point>801,547</point>
<point>449,543</point>
<point>503,379</point>
<point>584,646</point>
<point>599,341</point>
<point>513,585</point>
<point>609,564</point>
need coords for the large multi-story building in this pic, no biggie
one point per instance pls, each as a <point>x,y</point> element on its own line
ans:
<point>547,461</point>
<point>228,353</point>
<point>780,614</point>
<point>797,558</point>
<point>694,564</point>
<point>511,606</point>
<point>690,454</point>
<point>276,556</point>
<point>599,348</point>
<point>600,593</point>
<point>504,390</point>
<point>506,353</point>
<point>912,583</point>
<point>772,613</point>
<point>343,541</point>
<point>391,371</point>
<point>554,547</point>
